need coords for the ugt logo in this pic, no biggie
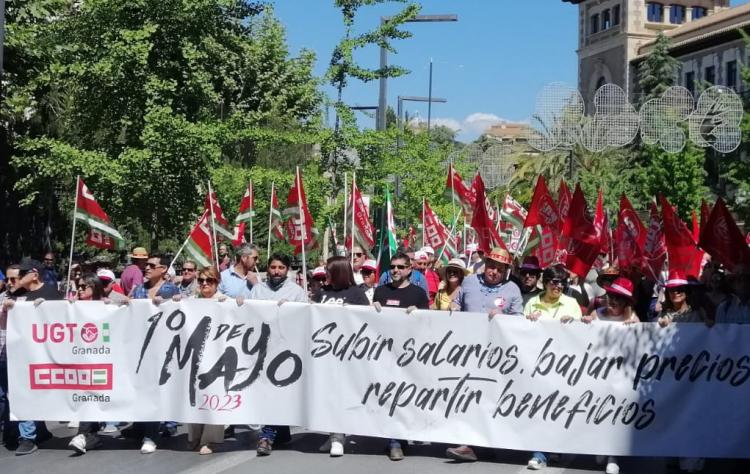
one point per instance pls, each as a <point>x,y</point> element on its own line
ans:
<point>89,333</point>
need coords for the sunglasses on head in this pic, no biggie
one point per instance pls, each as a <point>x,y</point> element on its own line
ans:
<point>555,282</point>
<point>210,281</point>
<point>399,267</point>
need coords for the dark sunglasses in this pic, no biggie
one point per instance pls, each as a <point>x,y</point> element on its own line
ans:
<point>13,279</point>
<point>82,287</point>
<point>358,254</point>
<point>49,259</point>
<point>367,272</point>
<point>210,281</point>
<point>153,265</point>
<point>678,289</point>
<point>399,267</point>
<point>188,270</point>
<point>525,273</point>
<point>555,282</point>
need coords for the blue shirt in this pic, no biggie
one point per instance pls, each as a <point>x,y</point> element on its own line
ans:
<point>479,297</point>
<point>49,276</point>
<point>233,284</point>
<point>415,278</point>
<point>166,291</point>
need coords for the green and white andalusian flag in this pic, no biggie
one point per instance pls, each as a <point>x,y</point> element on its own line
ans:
<point>101,232</point>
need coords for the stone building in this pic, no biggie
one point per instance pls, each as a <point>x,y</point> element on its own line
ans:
<point>615,35</point>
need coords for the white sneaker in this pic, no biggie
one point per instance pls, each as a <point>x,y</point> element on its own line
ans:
<point>536,464</point>
<point>110,428</point>
<point>337,448</point>
<point>612,466</point>
<point>148,446</point>
<point>78,444</point>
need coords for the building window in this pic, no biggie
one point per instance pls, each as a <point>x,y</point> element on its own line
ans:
<point>595,24</point>
<point>732,75</point>
<point>699,12</point>
<point>677,14</point>
<point>655,12</point>
<point>690,82</point>
<point>616,15</point>
<point>710,74</point>
<point>606,20</point>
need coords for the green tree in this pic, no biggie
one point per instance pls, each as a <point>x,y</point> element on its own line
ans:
<point>144,99</point>
<point>658,71</point>
<point>343,67</point>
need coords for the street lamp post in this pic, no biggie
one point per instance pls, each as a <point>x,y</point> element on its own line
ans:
<point>382,97</point>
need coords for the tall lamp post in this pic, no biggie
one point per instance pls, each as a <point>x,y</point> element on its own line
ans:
<point>382,97</point>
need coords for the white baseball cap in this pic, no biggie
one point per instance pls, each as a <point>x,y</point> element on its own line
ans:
<point>428,250</point>
<point>420,255</point>
<point>105,274</point>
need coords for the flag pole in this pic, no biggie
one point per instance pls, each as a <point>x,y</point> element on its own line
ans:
<point>453,190</point>
<point>346,203</point>
<point>179,251</point>
<point>72,237</point>
<point>213,224</point>
<point>304,231</point>
<point>423,221</point>
<point>270,219</point>
<point>354,186</point>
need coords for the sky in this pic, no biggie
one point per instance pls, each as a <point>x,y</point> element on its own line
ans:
<point>489,65</point>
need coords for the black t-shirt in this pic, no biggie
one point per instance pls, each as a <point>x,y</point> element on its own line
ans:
<point>402,297</point>
<point>351,295</point>
<point>47,292</point>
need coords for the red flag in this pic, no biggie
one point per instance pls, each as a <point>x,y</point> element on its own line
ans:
<point>220,222</point>
<point>199,242</point>
<point>563,199</point>
<point>585,234</point>
<point>455,186</point>
<point>722,239</point>
<point>299,226</point>
<point>247,205</point>
<point>630,236</point>
<point>547,249</point>
<point>487,235</point>
<point>364,231</point>
<point>101,232</point>
<point>275,215</point>
<point>606,247</point>
<point>435,232</point>
<point>654,247</point>
<point>684,255</point>
<point>543,210</point>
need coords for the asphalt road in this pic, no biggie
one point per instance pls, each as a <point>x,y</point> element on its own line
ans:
<point>237,455</point>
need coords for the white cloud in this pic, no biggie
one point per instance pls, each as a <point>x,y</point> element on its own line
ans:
<point>468,129</point>
<point>453,124</point>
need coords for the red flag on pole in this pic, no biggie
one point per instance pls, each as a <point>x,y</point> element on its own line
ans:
<point>364,231</point>
<point>299,215</point>
<point>101,232</point>
<point>722,239</point>
<point>543,210</point>
<point>654,247</point>
<point>199,245</point>
<point>487,235</point>
<point>221,223</point>
<point>630,236</point>
<point>436,234</point>
<point>585,234</point>
<point>455,186</point>
<point>563,199</point>
<point>696,227</point>
<point>683,254</point>
<point>705,213</point>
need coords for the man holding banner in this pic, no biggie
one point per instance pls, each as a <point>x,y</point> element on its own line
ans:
<point>492,292</point>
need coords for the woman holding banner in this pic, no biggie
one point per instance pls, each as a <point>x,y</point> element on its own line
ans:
<point>619,308</point>
<point>449,290</point>
<point>200,435</point>
<point>341,289</point>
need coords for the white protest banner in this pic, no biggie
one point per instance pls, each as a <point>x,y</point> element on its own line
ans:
<point>603,388</point>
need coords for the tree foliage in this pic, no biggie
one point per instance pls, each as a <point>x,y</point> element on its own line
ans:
<point>145,99</point>
<point>658,71</point>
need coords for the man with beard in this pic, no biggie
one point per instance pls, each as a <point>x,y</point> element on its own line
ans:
<point>399,293</point>
<point>277,287</point>
<point>238,280</point>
